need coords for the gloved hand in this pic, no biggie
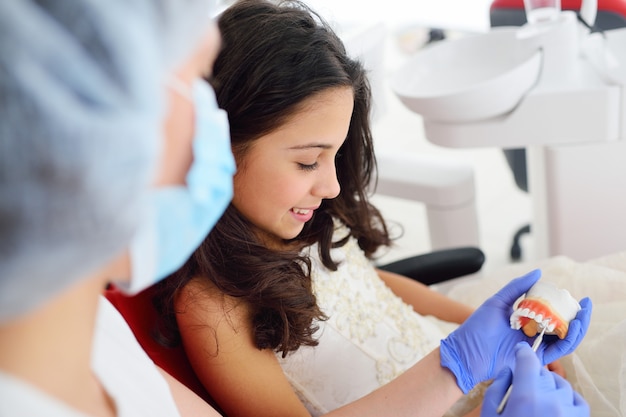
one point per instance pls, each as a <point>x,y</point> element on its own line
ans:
<point>484,345</point>
<point>536,391</point>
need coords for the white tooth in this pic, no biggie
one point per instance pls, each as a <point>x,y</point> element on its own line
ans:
<point>539,318</point>
<point>524,312</point>
<point>531,314</point>
<point>551,327</point>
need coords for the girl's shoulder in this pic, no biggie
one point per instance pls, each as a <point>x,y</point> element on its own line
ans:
<point>200,296</point>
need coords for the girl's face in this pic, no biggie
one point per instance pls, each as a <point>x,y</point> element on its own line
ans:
<point>284,176</point>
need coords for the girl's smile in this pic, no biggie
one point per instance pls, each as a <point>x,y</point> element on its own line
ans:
<point>304,215</point>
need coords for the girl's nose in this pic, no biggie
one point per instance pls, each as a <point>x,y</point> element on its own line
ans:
<point>328,185</point>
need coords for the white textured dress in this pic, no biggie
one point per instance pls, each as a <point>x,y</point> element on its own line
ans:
<point>371,336</point>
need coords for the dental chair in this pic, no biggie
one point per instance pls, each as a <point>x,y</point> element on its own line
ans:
<point>611,15</point>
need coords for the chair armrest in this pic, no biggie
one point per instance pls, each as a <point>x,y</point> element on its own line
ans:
<point>438,266</point>
<point>434,180</point>
<point>445,186</point>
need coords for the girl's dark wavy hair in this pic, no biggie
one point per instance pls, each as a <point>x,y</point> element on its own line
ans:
<point>274,57</point>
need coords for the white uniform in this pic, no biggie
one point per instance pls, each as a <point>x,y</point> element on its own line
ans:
<point>127,374</point>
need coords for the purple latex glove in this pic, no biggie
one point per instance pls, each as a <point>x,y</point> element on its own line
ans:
<point>536,391</point>
<point>484,345</point>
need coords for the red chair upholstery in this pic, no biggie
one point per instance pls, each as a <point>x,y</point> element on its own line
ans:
<point>140,314</point>
<point>607,9</point>
<point>616,6</point>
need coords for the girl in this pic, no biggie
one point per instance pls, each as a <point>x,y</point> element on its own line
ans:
<point>280,310</point>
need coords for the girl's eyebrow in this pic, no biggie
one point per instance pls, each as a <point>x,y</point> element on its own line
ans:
<point>310,146</point>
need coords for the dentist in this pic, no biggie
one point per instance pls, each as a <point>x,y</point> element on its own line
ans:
<point>103,115</point>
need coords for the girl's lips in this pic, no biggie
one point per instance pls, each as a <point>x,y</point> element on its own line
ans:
<point>302,214</point>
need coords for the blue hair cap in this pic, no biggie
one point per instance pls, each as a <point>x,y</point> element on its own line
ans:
<point>82,106</point>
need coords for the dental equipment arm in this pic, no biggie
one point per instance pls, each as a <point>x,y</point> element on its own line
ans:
<point>589,11</point>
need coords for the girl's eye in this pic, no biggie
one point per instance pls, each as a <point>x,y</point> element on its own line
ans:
<point>305,167</point>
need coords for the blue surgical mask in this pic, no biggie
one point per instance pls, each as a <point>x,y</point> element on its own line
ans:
<point>182,217</point>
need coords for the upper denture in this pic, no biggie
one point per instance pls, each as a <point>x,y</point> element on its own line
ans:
<point>545,306</point>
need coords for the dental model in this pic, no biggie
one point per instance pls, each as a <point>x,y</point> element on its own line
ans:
<point>547,306</point>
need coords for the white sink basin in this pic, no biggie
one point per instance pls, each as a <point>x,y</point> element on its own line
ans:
<point>467,79</point>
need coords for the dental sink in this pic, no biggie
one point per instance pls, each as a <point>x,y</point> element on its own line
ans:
<point>554,88</point>
<point>472,78</point>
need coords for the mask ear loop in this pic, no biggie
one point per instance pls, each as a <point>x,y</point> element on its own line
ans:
<point>179,87</point>
<point>182,89</point>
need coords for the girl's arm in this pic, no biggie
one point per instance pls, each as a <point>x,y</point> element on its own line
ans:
<point>426,389</point>
<point>188,403</point>
<point>216,334</point>
<point>424,300</point>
